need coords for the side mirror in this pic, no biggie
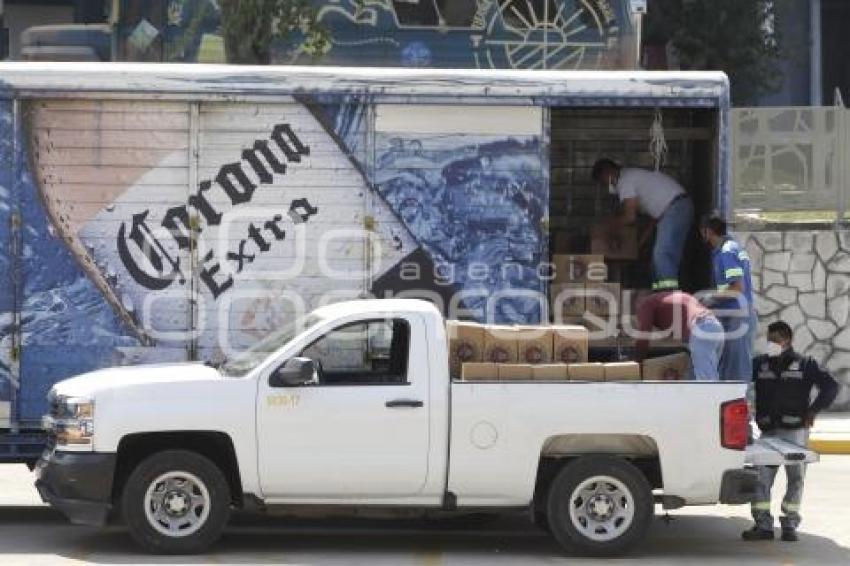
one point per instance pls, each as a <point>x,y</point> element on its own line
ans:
<point>294,372</point>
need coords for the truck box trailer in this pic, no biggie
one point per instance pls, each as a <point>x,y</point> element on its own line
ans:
<point>175,213</point>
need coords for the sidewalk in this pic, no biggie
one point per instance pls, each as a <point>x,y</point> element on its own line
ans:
<point>831,434</point>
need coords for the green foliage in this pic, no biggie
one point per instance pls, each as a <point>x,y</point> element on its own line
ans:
<point>250,27</point>
<point>735,36</point>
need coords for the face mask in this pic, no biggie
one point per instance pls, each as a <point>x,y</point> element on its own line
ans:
<point>773,349</point>
<point>612,189</point>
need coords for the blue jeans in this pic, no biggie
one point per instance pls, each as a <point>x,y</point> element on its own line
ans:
<point>706,346</point>
<point>670,237</point>
<point>736,363</point>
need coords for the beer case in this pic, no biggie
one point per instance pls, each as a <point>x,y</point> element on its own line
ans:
<point>500,344</point>
<point>549,372</point>
<point>569,298</point>
<point>622,371</point>
<point>620,245</point>
<point>570,344</point>
<point>572,268</point>
<point>586,372</point>
<point>479,371</point>
<point>534,344</point>
<point>466,344</point>
<point>674,367</point>
<point>603,299</point>
<point>515,372</point>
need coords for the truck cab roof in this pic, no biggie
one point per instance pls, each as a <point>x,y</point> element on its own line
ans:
<point>377,307</point>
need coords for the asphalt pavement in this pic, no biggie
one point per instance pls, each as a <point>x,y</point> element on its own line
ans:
<point>33,534</point>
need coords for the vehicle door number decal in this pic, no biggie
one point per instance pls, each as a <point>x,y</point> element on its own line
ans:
<point>289,401</point>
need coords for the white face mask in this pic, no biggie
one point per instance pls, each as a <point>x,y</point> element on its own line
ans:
<point>773,349</point>
<point>612,189</point>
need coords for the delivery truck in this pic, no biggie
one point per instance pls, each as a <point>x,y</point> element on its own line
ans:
<point>173,213</point>
<point>353,409</point>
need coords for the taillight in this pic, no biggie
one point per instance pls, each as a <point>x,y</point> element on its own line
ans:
<point>734,424</point>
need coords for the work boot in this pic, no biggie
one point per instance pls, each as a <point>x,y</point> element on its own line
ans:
<point>790,535</point>
<point>757,533</point>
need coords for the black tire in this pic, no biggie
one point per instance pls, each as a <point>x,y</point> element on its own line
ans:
<point>209,523</point>
<point>578,534</point>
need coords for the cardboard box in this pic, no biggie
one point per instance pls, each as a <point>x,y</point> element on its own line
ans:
<point>534,344</point>
<point>622,244</point>
<point>586,372</point>
<point>598,327</point>
<point>515,372</point>
<point>500,344</point>
<point>570,344</point>
<point>571,302</point>
<point>549,372</point>
<point>579,268</point>
<point>622,371</point>
<point>479,371</point>
<point>674,367</point>
<point>603,298</point>
<point>601,327</point>
<point>466,344</point>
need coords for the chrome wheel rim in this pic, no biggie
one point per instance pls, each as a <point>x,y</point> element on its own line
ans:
<point>602,508</point>
<point>177,504</point>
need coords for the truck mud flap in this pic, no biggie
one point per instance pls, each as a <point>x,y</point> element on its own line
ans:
<point>739,487</point>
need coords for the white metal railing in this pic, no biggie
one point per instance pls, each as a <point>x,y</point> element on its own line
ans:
<point>791,159</point>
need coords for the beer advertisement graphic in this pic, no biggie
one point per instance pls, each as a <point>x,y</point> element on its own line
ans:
<point>138,231</point>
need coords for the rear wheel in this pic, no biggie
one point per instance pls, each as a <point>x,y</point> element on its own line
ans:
<point>599,506</point>
<point>176,502</point>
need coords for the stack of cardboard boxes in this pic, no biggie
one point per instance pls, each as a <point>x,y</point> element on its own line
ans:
<point>580,286</point>
<point>587,283</point>
<point>541,353</point>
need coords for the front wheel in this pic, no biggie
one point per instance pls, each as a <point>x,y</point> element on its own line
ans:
<point>176,502</point>
<point>599,506</point>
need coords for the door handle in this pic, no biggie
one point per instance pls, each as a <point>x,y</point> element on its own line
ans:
<point>404,403</point>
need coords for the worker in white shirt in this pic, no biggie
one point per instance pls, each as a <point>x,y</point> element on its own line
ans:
<point>660,197</point>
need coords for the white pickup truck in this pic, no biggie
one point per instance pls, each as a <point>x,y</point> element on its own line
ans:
<point>353,408</point>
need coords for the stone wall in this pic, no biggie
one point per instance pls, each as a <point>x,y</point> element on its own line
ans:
<point>803,278</point>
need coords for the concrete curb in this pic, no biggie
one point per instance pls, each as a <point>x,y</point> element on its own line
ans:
<point>826,445</point>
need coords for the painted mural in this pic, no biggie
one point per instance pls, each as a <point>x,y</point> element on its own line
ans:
<point>155,231</point>
<point>6,289</point>
<point>497,34</point>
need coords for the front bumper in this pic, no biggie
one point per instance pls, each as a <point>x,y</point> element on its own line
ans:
<point>739,486</point>
<point>79,485</point>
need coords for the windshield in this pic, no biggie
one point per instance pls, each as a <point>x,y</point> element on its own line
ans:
<point>252,357</point>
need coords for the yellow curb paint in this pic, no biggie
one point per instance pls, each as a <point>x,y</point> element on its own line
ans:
<point>823,446</point>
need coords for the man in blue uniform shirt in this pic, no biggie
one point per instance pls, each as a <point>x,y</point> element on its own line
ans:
<point>784,381</point>
<point>732,300</point>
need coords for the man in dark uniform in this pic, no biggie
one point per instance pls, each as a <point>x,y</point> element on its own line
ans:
<point>783,382</point>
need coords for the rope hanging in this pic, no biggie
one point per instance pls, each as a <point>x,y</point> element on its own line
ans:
<point>657,141</point>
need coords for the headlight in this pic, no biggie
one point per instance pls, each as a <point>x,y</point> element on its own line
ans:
<point>72,422</point>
